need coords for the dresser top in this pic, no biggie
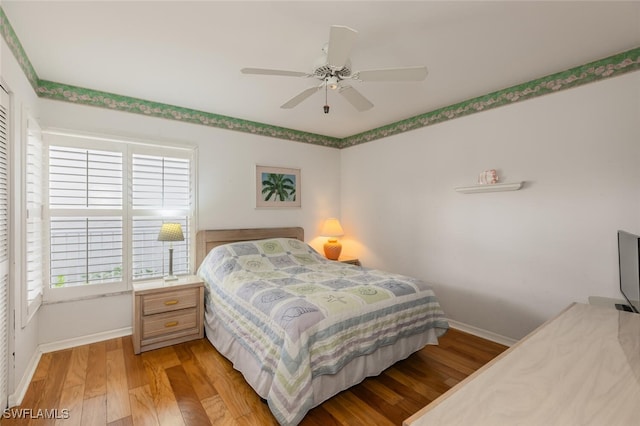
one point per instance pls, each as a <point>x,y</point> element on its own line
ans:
<point>582,367</point>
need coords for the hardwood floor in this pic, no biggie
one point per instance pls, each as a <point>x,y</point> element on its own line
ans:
<point>192,384</point>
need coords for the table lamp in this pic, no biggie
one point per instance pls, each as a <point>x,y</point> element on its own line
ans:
<point>170,232</point>
<point>332,229</point>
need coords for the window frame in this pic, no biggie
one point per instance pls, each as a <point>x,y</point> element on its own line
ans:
<point>128,147</point>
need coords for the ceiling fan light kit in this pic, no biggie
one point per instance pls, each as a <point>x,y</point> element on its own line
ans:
<point>333,67</point>
<point>332,82</point>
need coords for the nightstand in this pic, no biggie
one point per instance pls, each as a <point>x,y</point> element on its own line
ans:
<point>167,312</point>
<point>350,260</point>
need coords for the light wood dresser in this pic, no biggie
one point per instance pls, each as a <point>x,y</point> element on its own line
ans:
<point>167,312</point>
<point>580,368</point>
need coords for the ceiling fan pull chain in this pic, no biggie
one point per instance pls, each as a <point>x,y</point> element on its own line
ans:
<point>326,101</point>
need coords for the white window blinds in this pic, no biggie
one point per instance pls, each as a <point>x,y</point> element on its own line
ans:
<point>4,176</point>
<point>86,224</point>
<point>32,291</point>
<point>161,192</point>
<point>84,179</point>
<point>4,245</point>
<point>85,250</point>
<point>161,183</point>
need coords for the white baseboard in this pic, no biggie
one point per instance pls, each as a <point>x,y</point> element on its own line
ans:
<point>21,389</point>
<point>84,340</point>
<point>494,337</point>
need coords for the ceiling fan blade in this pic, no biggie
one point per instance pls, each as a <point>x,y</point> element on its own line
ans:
<point>341,41</point>
<point>355,98</point>
<point>300,97</point>
<point>393,74</point>
<point>265,71</point>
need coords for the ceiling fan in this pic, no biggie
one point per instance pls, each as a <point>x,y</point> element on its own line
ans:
<point>333,69</point>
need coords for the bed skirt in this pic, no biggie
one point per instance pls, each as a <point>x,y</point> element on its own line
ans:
<point>324,386</point>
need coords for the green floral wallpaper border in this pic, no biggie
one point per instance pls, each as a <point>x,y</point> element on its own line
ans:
<point>604,68</point>
<point>79,95</point>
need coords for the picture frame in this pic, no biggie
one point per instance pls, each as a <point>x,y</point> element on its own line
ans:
<point>277,187</point>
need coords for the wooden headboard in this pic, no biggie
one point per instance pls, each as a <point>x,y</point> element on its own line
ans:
<point>208,239</point>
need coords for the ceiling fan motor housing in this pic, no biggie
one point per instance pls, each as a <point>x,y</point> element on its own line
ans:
<point>322,70</point>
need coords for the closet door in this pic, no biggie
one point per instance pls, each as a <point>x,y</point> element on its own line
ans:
<point>4,242</point>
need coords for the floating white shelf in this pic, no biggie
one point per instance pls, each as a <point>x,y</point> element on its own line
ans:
<point>495,187</point>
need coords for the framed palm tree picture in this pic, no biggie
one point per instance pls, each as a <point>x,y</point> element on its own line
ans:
<point>277,187</point>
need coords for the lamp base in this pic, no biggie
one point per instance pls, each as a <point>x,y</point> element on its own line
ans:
<point>170,276</point>
<point>332,249</point>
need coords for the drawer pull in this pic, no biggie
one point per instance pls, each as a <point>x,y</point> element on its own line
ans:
<point>171,324</point>
<point>171,302</point>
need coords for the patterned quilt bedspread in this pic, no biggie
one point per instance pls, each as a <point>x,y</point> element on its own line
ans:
<point>301,315</point>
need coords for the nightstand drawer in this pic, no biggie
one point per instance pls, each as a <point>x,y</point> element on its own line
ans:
<point>169,301</point>
<point>169,323</point>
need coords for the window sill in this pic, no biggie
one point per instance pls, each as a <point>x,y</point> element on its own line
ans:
<point>88,297</point>
<point>84,292</point>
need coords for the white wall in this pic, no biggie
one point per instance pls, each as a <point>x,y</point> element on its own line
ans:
<point>226,175</point>
<point>504,262</point>
<point>24,337</point>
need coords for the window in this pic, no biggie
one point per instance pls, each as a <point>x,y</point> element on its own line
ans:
<point>160,185</point>
<point>106,203</point>
<point>86,216</point>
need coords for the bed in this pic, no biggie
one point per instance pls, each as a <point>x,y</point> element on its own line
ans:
<point>301,328</point>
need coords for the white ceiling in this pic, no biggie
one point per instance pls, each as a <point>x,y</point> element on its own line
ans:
<point>189,54</point>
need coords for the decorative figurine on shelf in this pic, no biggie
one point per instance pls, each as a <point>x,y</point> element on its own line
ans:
<point>488,177</point>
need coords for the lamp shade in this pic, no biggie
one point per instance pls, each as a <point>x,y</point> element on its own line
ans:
<point>171,232</point>
<point>331,228</point>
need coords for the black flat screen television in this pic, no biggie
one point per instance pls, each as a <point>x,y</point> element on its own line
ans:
<point>629,262</point>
